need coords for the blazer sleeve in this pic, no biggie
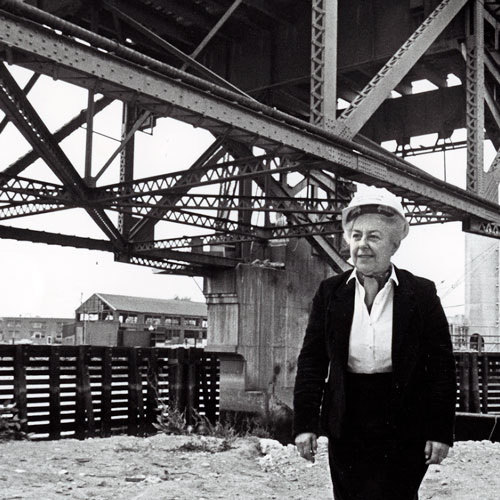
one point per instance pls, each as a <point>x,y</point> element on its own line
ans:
<point>312,368</point>
<point>439,371</point>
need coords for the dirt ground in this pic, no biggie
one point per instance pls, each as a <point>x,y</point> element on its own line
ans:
<point>165,467</point>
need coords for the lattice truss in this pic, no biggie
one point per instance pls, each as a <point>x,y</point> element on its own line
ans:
<point>266,176</point>
<point>256,198</point>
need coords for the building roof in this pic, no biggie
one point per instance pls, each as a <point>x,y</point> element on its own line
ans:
<point>35,318</point>
<point>153,306</point>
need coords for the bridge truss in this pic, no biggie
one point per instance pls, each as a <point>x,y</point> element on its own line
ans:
<point>282,149</point>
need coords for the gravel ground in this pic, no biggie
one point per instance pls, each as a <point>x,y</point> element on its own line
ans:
<point>165,467</point>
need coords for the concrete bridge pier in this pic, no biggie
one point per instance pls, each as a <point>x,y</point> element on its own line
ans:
<point>257,315</point>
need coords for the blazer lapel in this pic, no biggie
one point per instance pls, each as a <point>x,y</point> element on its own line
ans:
<point>404,344</point>
<point>341,312</point>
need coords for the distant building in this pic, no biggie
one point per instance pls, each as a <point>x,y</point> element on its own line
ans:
<point>468,338</point>
<point>120,320</point>
<point>17,330</point>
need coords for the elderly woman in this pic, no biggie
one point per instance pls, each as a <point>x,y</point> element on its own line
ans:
<point>376,372</point>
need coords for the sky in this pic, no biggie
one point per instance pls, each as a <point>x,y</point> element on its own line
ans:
<point>43,280</point>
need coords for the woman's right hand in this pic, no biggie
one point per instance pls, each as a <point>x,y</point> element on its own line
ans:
<point>307,445</point>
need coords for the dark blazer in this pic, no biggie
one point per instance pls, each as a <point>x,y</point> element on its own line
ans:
<point>424,384</point>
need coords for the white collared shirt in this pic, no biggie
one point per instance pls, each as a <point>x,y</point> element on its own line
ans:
<point>370,342</point>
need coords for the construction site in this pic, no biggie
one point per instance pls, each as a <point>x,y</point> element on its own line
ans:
<point>295,105</point>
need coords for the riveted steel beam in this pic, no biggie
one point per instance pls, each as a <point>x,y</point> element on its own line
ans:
<point>230,202</point>
<point>26,89</point>
<point>15,233</point>
<point>323,101</point>
<point>475,95</point>
<point>20,189</point>
<point>272,187</point>
<point>130,124</point>
<point>15,105</point>
<point>209,174</point>
<point>188,60</point>
<point>190,257</point>
<point>212,154</point>
<point>180,216</point>
<point>476,226</point>
<point>16,210</point>
<point>325,247</point>
<point>224,112</point>
<point>168,267</point>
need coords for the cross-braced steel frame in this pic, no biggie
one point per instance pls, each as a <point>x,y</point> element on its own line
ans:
<point>247,170</point>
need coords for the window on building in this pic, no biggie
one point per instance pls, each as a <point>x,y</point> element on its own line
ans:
<point>190,321</point>
<point>88,316</point>
<point>153,320</point>
<point>38,325</point>
<point>172,321</point>
<point>130,318</point>
<point>49,339</point>
<point>204,323</point>
<point>36,335</point>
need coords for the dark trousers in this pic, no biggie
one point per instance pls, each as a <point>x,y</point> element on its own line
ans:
<point>369,462</point>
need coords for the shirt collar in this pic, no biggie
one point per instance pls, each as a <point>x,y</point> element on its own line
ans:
<point>393,276</point>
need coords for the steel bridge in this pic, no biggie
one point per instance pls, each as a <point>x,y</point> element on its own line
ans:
<point>265,78</point>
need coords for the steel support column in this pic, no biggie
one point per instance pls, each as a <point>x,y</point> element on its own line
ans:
<point>475,94</point>
<point>323,103</point>
<point>129,119</point>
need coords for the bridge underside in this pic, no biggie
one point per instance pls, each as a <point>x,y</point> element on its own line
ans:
<point>297,98</point>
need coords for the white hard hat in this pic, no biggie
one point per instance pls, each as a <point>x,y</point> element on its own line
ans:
<point>374,200</point>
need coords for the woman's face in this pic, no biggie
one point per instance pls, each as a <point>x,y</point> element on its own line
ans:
<point>371,244</point>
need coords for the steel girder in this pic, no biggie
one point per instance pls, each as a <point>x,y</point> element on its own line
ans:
<point>257,203</point>
<point>19,110</point>
<point>194,101</point>
<point>55,239</point>
<point>209,174</point>
<point>168,267</point>
<point>324,63</point>
<point>270,186</point>
<point>225,113</point>
<point>129,123</point>
<point>259,234</point>
<point>213,154</point>
<point>475,94</point>
<point>21,197</point>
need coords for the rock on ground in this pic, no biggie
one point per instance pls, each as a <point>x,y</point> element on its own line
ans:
<point>165,467</point>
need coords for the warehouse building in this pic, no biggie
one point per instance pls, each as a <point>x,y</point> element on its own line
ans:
<point>120,320</point>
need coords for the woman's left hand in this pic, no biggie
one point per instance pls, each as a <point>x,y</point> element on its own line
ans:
<point>435,452</point>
